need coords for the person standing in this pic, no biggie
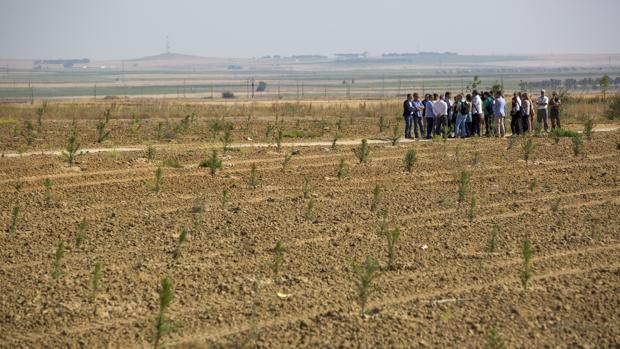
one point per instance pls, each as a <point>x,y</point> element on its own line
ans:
<point>418,107</point>
<point>408,114</point>
<point>554,106</point>
<point>461,111</point>
<point>476,113</point>
<point>526,121</point>
<point>499,114</point>
<point>440,110</point>
<point>469,128</point>
<point>542,102</point>
<point>515,114</point>
<point>428,116</point>
<point>487,104</point>
<point>451,115</point>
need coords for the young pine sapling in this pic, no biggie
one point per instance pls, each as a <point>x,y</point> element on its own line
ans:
<point>162,324</point>
<point>180,242</point>
<point>410,159</point>
<point>340,173</point>
<point>526,253</point>
<point>463,185</point>
<point>71,150</point>
<point>309,214</point>
<point>80,236</point>
<point>47,194</point>
<point>395,134</point>
<point>278,258</point>
<point>14,219</point>
<point>254,177</point>
<point>286,161</point>
<point>365,275</point>
<point>588,126</point>
<point>376,198</point>
<point>102,133</point>
<point>94,286</point>
<point>392,239</point>
<point>58,260</point>
<point>362,152</point>
<point>213,163</point>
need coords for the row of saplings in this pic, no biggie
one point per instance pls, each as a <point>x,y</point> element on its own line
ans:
<point>365,273</point>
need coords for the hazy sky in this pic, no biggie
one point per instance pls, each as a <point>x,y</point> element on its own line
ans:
<point>117,29</point>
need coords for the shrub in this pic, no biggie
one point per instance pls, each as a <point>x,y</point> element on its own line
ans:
<point>279,137</point>
<point>224,198</point>
<point>588,125</point>
<point>254,177</point>
<point>278,258</point>
<point>392,239</point>
<point>228,95</point>
<point>213,163</point>
<point>382,125</point>
<point>526,253</point>
<point>162,325</point>
<point>410,159</point>
<point>476,159</point>
<point>532,184</point>
<point>613,112</point>
<point>362,152</point>
<point>365,275</point>
<point>102,133</point>
<point>172,163</point>
<point>182,239</point>
<point>71,150</point>
<point>340,173</point>
<point>58,256</point>
<point>336,137</point>
<point>555,205</point>
<point>463,185</point>
<point>376,198</point>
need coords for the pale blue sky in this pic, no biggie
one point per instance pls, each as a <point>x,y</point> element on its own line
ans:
<point>119,29</point>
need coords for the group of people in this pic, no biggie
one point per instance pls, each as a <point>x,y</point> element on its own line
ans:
<point>468,115</point>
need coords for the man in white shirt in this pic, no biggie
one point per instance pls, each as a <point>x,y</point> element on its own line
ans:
<point>542,102</point>
<point>440,111</point>
<point>476,112</point>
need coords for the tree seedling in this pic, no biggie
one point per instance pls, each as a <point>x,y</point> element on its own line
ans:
<point>526,253</point>
<point>376,198</point>
<point>471,214</point>
<point>14,218</point>
<point>94,285</point>
<point>71,150</point>
<point>392,239</point>
<point>102,133</point>
<point>410,159</point>
<point>309,214</point>
<point>577,146</point>
<point>340,173</point>
<point>58,260</point>
<point>151,153</point>
<point>81,233</point>
<point>493,242</point>
<point>555,205</point>
<point>159,174</point>
<point>279,137</point>
<point>528,148</point>
<point>162,324</point>
<point>28,132</point>
<point>47,194</point>
<point>476,159</point>
<point>588,126</point>
<point>307,188</point>
<point>494,340</point>
<point>213,163</point>
<point>336,137</point>
<point>224,198</point>
<point>362,152</point>
<point>463,185</point>
<point>254,177</point>
<point>19,185</point>
<point>532,184</point>
<point>278,258</point>
<point>395,134</point>
<point>181,241</point>
<point>286,161</point>
<point>365,275</point>
<point>226,140</point>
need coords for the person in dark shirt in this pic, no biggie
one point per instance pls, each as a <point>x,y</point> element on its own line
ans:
<point>408,114</point>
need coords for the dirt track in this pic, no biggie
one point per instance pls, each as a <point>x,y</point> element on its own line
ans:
<point>448,295</point>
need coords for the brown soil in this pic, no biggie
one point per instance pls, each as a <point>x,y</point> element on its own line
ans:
<point>450,294</point>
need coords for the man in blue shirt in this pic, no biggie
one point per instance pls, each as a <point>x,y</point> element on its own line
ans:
<point>418,107</point>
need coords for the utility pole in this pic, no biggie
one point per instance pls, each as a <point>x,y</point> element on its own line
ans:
<point>325,91</point>
<point>279,90</point>
<point>95,92</point>
<point>31,92</point>
<point>211,91</point>
<point>302,89</point>
<point>252,87</point>
<point>297,89</point>
<point>399,86</point>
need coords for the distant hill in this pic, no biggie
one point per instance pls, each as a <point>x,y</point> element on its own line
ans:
<point>169,57</point>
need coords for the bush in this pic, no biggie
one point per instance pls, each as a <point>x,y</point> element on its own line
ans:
<point>228,95</point>
<point>613,112</point>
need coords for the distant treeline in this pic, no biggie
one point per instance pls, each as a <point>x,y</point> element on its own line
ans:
<point>571,84</point>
